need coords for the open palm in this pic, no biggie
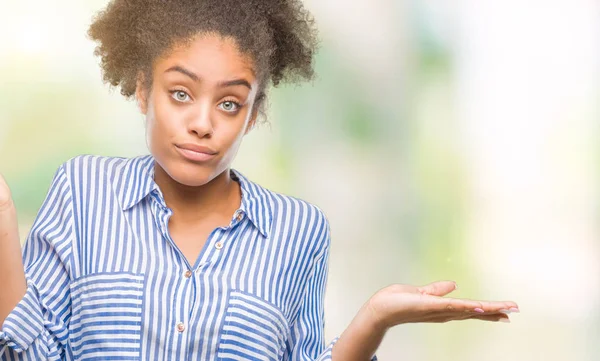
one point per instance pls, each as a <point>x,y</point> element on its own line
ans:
<point>401,303</point>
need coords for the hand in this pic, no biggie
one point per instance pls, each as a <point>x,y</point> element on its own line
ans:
<point>14,283</point>
<point>5,197</point>
<point>399,304</point>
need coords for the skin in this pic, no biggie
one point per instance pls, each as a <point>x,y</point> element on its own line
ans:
<point>11,266</point>
<point>186,104</point>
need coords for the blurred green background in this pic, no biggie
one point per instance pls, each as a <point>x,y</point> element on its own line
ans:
<point>444,140</point>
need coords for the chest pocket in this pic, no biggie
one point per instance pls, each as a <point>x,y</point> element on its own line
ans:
<point>253,330</point>
<point>106,316</point>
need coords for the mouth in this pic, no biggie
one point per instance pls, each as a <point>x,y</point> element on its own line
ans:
<point>196,153</point>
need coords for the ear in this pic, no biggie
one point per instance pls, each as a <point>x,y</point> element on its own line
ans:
<point>141,95</point>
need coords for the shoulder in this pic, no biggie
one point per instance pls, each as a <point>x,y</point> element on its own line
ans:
<point>89,175</point>
<point>293,219</point>
<point>87,163</point>
<point>283,207</point>
<point>87,168</point>
<point>291,208</point>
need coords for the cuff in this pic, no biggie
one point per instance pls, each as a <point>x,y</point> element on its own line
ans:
<point>24,324</point>
<point>326,354</point>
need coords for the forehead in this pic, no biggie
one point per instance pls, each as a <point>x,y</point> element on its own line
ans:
<point>210,56</point>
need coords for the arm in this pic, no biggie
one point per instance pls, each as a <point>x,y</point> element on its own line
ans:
<point>360,340</point>
<point>306,342</point>
<point>37,327</point>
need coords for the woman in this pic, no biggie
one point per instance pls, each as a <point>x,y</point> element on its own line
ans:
<point>174,255</point>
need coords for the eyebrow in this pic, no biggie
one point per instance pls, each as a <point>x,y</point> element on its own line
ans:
<point>196,78</point>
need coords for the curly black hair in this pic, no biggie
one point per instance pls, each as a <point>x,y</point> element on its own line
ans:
<point>279,35</point>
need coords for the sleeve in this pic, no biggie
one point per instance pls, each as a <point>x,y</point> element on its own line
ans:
<point>307,340</point>
<point>37,328</point>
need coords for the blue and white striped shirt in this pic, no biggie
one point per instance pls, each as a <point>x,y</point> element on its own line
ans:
<point>107,282</point>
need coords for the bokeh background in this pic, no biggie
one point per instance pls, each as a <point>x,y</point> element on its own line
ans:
<point>443,139</point>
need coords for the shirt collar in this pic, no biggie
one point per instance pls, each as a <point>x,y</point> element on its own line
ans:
<point>137,182</point>
<point>255,202</point>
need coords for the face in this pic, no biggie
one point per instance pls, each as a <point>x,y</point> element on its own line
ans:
<point>199,108</point>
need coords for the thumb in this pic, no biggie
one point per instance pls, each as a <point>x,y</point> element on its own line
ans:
<point>440,288</point>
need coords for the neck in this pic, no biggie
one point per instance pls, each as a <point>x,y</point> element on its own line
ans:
<point>221,195</point>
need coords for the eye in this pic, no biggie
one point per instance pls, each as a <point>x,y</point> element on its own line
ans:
<point>180,96</point>
<point>230,106</point>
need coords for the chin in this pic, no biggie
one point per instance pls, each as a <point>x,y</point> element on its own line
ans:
<point>192,175</point>
<point>189,174</point>
<point>190,180</point>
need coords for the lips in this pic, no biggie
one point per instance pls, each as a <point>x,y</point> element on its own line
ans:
<point>197,148</point>
<point>195,153</point>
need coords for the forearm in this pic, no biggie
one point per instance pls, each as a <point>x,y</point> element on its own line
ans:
<point>11,264</point>
<point>360,340</point>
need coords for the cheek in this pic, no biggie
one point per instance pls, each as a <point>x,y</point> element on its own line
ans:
<point>231,131</point>
<point>235,140</point>
<point>157,120</point>
<point>154,128</point>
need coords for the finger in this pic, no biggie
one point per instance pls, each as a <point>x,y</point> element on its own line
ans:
<point>446,309</point>
<point>440,288</point>
<point>511,306</point>
<point>446,304</point>
<point>482,306</point>
<point>442,317</point>
<point>493,318</point>
<point>499,306</point>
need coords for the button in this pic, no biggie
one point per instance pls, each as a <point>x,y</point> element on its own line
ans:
<point>239,216</point>
<point>219,245</point>
<point>188,274</point>
<point>180,327</point>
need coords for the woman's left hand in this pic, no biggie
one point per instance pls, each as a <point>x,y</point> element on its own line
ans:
<point>399,303</point>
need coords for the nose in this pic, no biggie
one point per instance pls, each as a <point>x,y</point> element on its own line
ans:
<point>200,122</point>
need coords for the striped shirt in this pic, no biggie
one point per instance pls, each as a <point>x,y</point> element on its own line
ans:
<point>105,280</point>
